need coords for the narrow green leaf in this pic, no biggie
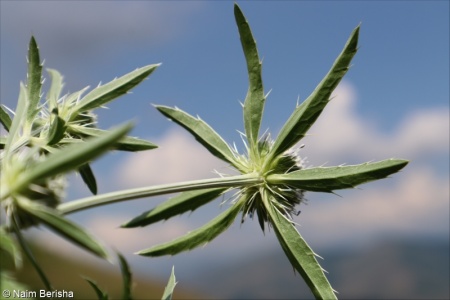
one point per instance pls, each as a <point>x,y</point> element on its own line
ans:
<point>66,228</point>
<point>127,143</point>
<point>18,120</point>
<point>100,294</point>
<point>299,253</point>
<point>57,129</point>
<point>197,237</point>
<point>307,113</point>
<point>187,201</point>
<point>334,178</point>
<point>73,156</point>
<point>54,93</point>
<point>126,277</point>
<point>9,245</point>
<point>168,291</point>
<point>255,99</point>
<point>5,119</point>
<point>113,89</point>
<point>34,82</point>
<point>202,132</point>
<point>88,177</point>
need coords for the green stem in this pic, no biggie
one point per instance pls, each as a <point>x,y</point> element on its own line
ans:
<point>90,202</point>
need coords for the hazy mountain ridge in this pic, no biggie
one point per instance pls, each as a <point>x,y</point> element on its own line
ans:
<point>391,269</point>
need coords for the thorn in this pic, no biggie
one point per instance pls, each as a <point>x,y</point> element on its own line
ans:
<point>315,254</point>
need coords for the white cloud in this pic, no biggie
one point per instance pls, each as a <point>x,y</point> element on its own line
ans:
<point>340,133</point>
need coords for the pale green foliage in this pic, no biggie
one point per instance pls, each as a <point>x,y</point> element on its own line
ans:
<point>168,291</point>
<point>48,138</point>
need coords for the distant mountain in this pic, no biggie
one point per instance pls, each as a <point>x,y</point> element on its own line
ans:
<point>393,269</point>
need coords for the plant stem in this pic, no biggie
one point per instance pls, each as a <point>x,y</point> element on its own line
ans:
<point>90,202</point>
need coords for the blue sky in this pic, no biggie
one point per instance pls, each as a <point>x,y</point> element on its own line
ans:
<point>394,102</point>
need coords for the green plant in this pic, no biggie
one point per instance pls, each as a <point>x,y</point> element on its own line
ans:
<point>47,140</point>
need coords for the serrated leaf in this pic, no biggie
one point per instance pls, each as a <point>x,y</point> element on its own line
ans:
<point>202,132</point>
<point>168,291</point>
<point>73,156</point>
<point>64,227</point>
<point>186,201</point>
<point>54,93</point>
<point>307,113</point>
<point>113,89</point>
<point>5,119</point>
<point>57,129</point>
<point>127,143</point>
<point>126,277</point>
<point>299,253</point>
<point>98,291</point>
<point>88,177</point>
<point>34,81</point>
<point>197,237</point>
<point>255,99</point>
<point>334,178</point>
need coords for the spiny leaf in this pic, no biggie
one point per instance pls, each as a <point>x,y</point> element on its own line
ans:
<point>55,88</point>
<point>127,143</point>
<point>299,253</point>
<point>113,89</point>
<point>73,156</point>
<point>34,82</point>
<point>18,120</point>
<point>335,178</point>
<point>254,101</point>
<point>5,119</point>
<point>57,129</point>
<point>202,132</point>
<point>307,113</point>
<point>168,291</point>
<point>197,237</point>
<point>88,177</point>
<point>186,201</point>
<point>64,227</point>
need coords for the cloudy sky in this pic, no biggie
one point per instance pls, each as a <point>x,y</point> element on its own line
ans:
<point>394,102</point>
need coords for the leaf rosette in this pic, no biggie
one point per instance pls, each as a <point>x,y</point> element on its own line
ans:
<point>275,180</point>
